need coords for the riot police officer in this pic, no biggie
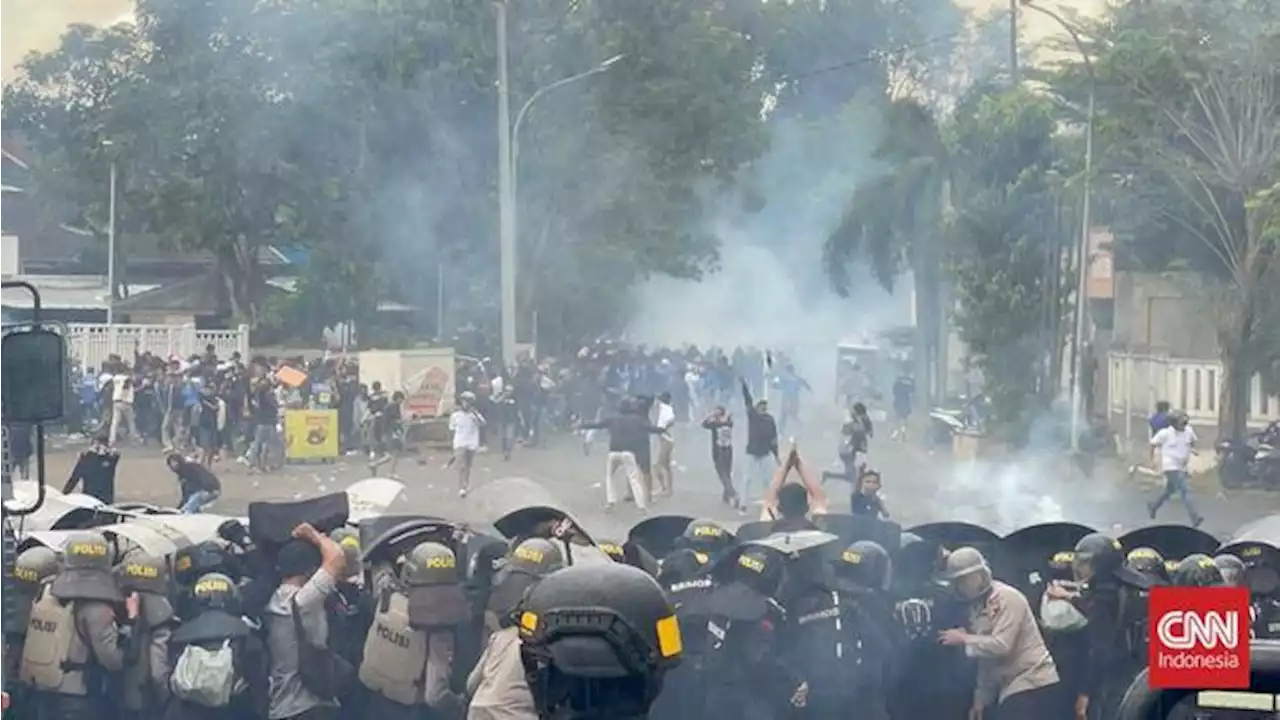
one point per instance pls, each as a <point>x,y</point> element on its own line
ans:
<point>1196,570</point>
<point>1015,670</point>
<point>528,562</point>
<point>216,628</point>
<point>408,652</point>
<point>349,608</point>
<point>597,642</point>
<point>76,640</point>
<point>1107,598</point>
<point>496,684</point>
<point>146,671</point>
<point>32,569</point>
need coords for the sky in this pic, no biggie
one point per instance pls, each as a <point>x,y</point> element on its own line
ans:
<point>27,25</point>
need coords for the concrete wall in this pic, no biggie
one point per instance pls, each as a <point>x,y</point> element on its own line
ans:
<point>1163,314</point>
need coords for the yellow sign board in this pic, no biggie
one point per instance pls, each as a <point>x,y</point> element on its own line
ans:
<point>311,434</point>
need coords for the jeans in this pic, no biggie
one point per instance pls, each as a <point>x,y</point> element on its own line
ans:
<point>266,441</point>
<point>759,472</point>
<point>197,501</point>
<point>1175,483</point>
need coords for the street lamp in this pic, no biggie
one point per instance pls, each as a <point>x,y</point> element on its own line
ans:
<point>1082,253</point>
<point>508,155</point>
<point>111,239</point>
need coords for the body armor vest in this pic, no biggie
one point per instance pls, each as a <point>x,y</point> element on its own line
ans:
<point>395,655</point>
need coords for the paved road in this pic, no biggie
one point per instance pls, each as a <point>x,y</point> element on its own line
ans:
<point>918,487</point>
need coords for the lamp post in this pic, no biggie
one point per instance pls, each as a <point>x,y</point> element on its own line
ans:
<point>1082,252</point>
<point>508,150</point>
<point>111,240</point>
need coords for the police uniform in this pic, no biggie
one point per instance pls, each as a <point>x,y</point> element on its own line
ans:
<point>408,652</point>
<point>496,685</point>
<point>1196,570</point>
<point>1114,652</point>
<point>32,570</point>
<point>597,642</point>
<point>686,578</point>
<point>75,647</point>
<point>146,669</point>
<point>216,621</point>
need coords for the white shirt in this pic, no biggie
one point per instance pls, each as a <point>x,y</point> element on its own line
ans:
<point>1175,447</point>
<point>465,425</point>
<point>666,418</point>
<point>120,393</point>
<point>496,386</point>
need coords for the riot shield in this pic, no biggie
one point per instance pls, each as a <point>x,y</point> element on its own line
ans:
<point>63,512</point>
<point>55,540</point>
<point>186,529</point>
<point>142,508</point>
<point>754,530</point>
<point>372,528</point>
<point>659,534</point>
<point>403,537</point>
<point>1029,550</point>
<point>518,506</point>
<point>1257,544</point>
<point>952,535</point>
<point>795,543</point>
<point>144,538</point>
<point>372,497</point>
<point>857,528</point>
<point>1174,542</point>
<point>271,523</point>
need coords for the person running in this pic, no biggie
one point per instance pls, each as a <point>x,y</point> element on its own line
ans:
<point>629,433</point>
<point>465,424</point>
<point>1176,444</point>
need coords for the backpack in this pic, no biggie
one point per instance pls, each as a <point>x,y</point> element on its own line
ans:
<point>205,677</point>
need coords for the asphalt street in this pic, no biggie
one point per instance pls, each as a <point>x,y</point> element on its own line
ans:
<point>918,487</point>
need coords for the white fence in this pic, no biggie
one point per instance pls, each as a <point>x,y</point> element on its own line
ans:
<point>1136,382</point>
<point>91,344</point>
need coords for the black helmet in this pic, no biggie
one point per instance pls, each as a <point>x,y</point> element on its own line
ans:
<point>867,564</point>
<point>759,568</point>
<point>1062,565</point>
<point>1231,567</point>
<point>196,561</point>
<point>1100,554</point>
<point>1197,570</point>
<point>706,536</point>
<point>1147,561</point>
<point>215,591</point>
<point>597,641</point>
<point>682,565</point>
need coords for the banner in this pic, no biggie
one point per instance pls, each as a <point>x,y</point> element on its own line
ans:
<point>310,434</point>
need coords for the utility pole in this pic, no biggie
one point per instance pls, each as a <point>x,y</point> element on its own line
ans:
<point>111,248</point>
<point>506,197</point>
<point>1013,42</point>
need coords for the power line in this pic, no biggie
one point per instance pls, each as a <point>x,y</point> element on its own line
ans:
<point>880,55</point>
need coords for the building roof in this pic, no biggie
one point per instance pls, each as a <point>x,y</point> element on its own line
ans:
<point>66,292</point>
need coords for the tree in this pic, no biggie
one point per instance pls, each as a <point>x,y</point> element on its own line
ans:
<point>1189,136</point>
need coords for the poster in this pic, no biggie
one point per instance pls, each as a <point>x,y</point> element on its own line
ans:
<point>310,434</point>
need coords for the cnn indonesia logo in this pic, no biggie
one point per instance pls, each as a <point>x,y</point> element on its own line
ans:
<point>1199,638</point>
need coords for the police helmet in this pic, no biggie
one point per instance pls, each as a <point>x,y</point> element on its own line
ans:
<point>1232,569</point>
<point>866,564</point>
<point>681,565</point>
<point>1147,561</point>
<point>759,568</point>
<point>1097,555</point>
<point>536,557</point>
<point>1170,567</point>
<point>35,565</point>
<point>1061,565</point>
<point>613,549</point>
<point>706,536</point>
<point>216,591</point>
<point>429,563</point>
<point>1197,570</point>
<point>966,562</point>
<point>144,573</point>
<point>349,540</point>
<point>87,550</point>
<point>597,641</point>
<point>195,561</point>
